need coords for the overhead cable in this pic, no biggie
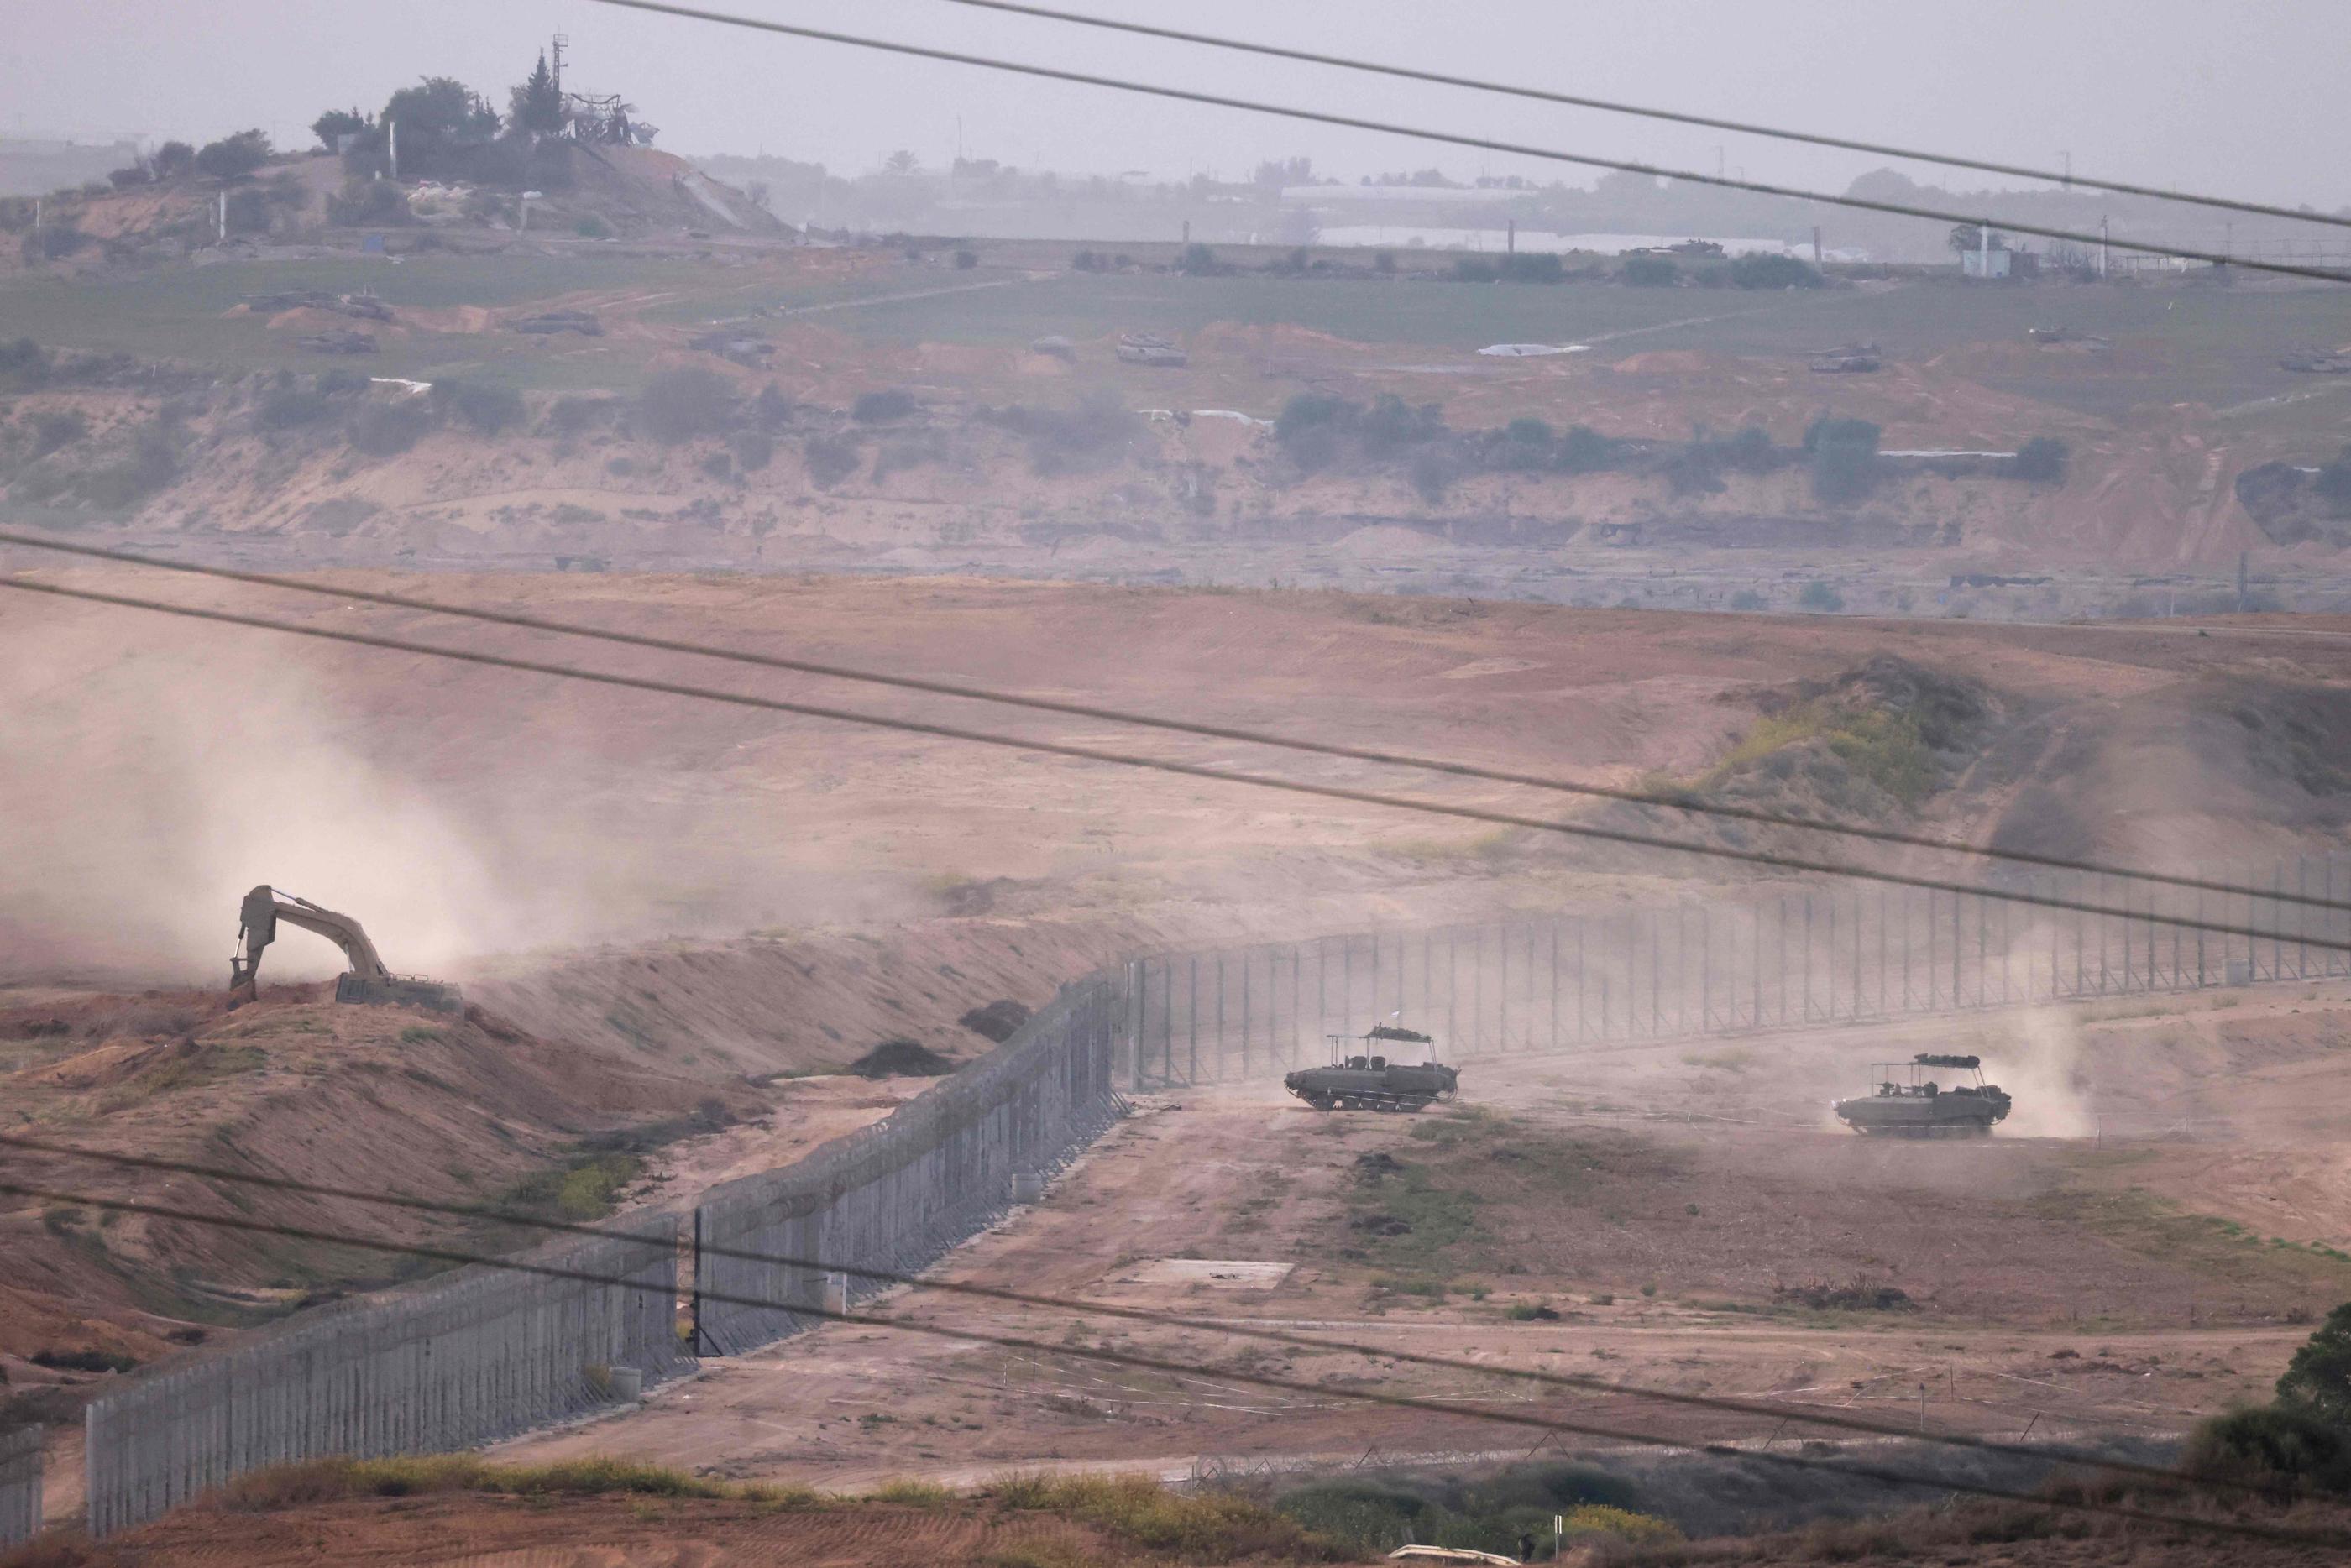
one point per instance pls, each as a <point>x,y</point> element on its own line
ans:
<point>967,1335</point>
<point>1673,800</point>
<point>1579,1382</point>
<point>1481,143</point>
<point>1188,769</point>
<point>1642,111</point>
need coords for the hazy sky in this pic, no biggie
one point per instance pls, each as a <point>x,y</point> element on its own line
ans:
<point>2245,98</point>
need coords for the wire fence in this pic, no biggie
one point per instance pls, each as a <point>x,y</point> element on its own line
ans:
<point>486,1353</point>
<point>898,1195</point>
<point>20,1485</point>
<point>479,1357</point>
<point>1729,963</point>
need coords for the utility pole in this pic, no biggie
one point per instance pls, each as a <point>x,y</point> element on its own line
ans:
<point>221,220</point>
<point>391,140</point>
<point>2102,246</point>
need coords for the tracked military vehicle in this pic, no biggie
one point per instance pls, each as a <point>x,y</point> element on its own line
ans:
<point>1906,1103</point>
<point>1365,1082</point>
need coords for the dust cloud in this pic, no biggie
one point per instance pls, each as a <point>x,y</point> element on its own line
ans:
<point>2036,1056</point>
<point>152,772</point>
<point>141,793</point>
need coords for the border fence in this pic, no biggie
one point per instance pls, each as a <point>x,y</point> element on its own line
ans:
<point>479,1357</point>
<point>20,1485</point>
<point>1739,962</point>
<point>898,1195</point>
<point>485,1355</point>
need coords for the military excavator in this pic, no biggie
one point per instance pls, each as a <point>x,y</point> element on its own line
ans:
<point>366,982</point>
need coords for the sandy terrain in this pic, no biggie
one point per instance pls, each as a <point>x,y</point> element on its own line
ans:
<point>1661,1200</point>
<point>588,863</point>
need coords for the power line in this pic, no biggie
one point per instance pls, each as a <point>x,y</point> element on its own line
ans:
<point>970,1335</point>
<point>1484,144</point>
<point>1580,1383</point>
<point>1188,769</point>
<point>1675,801</point>
<point>1679,117</point>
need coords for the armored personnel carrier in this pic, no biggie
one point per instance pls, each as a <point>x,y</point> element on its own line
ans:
<point>1372,1082</point>
<point>1908,1103</point>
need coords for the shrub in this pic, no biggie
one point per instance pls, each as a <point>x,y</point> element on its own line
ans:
<point>1197,260</point>
<point>592,227</point>
<point>387,429</point>
<point>1434,469</point>
<point>1070,441</point>
<point>965,261</point>
<point>131,175</point>
<point>751,449</point>
<point>484,410</point>
<point>291,407</point>
<point>1584,449</point>
<point>374,204</point>
<point>771,409</point>
<point>1384,262</point>
<point>879,407</point>
<point>1746,599</point>
<point>718,465</point>
<point>56,428</point>
<point>83,1360</point>
<point>2041,460</point>
<point>1758,270</point>
<point>54,241</point>
<point>1819,597</point>
<point>830,459</point>
<point>2272,1444</point>
<point>571,416</point>
<point>1089,260</point>
<point>681,404</point>
<point>1650,272</point>
<point>233,157</point>
<point>153,463</point>
<point>1391,426</point>
<point>1843,457</point>
<point>173,160</point>
<point>1307,411</point>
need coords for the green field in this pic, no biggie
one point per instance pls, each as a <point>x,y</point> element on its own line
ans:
<point>2173,342</point>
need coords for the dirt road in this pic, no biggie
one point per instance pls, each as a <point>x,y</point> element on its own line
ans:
<point>2050,1286</point>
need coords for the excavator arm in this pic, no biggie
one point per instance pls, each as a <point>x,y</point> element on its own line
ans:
<point>368,980</point>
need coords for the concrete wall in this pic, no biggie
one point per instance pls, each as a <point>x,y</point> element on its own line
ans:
<point>20,1485</point>
<point>485,1353</point>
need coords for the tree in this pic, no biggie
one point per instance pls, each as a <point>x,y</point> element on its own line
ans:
<point>1845,457</point>
<point>1761,269</point>
<point>2318,1378</point>
<point>233,157</point>
<point>331,126</point>
<point>2041,459</point>
<point>173,160</point>
<point>901,162</point>
<point>1970,236</point>
<point>438,118</point>
<point>535,106</point>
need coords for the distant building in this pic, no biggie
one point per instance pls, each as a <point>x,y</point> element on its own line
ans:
<point>1992,264</point>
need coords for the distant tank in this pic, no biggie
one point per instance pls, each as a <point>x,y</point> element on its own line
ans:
<point>1369,1082</point>
<point>1908,1103</point>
